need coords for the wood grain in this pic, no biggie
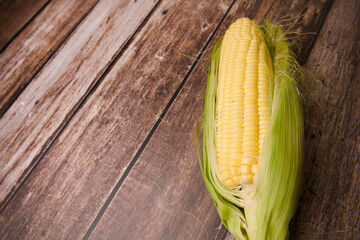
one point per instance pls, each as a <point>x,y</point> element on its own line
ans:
<point>330,205</point>
<point>39,113</point>
<point>28,52</point>
<point>66,190</point>
<point>164,196</point>
<point>14,15</point>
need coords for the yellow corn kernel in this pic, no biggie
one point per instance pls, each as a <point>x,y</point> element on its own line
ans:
<point>255,169</point>
<point>243,102</point>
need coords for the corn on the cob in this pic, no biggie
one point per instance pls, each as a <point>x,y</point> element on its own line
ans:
<point>242,109</point>
<point>253,131</point>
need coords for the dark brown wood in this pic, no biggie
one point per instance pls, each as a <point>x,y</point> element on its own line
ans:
<point>27,53</point>
<point>72,181</point>
<point>330,204</point>
<point>113,172</point>
<point>39,113</point>
<point>14,15</point>
<point>164,196</point>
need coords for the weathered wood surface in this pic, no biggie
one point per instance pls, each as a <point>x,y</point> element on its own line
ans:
<point>27,53</point>
<point>101,139</point>
<point>14,15</point>
<point>117,159</point>
<point>43,108</point>
<point>165,187</point>
<point>330,205</point>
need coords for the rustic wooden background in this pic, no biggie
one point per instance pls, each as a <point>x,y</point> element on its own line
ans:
<point>100,99</point>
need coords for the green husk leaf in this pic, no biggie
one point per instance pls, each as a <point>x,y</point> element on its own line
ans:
<point>280,175</point>
<point>261,210</point>
<point>228,206</point>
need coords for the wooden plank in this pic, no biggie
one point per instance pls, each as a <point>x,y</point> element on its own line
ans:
<point>27,53</point>
<point>14,15</point>
<point>65,191</point>
<point>39,113</point>
<point>164,196</point>
<point>330,204</point>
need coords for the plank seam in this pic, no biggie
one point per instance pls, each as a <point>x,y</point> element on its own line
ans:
<point>78,106</point>
<point>52,138</point>
<point>17,93</point>
<point>151,133</point>
<point>24,26</point>
<point>319,31</point>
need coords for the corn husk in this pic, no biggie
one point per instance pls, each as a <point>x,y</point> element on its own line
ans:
<point>264,208</point>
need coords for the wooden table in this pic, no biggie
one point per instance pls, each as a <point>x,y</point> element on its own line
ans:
<point>100,99</point>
